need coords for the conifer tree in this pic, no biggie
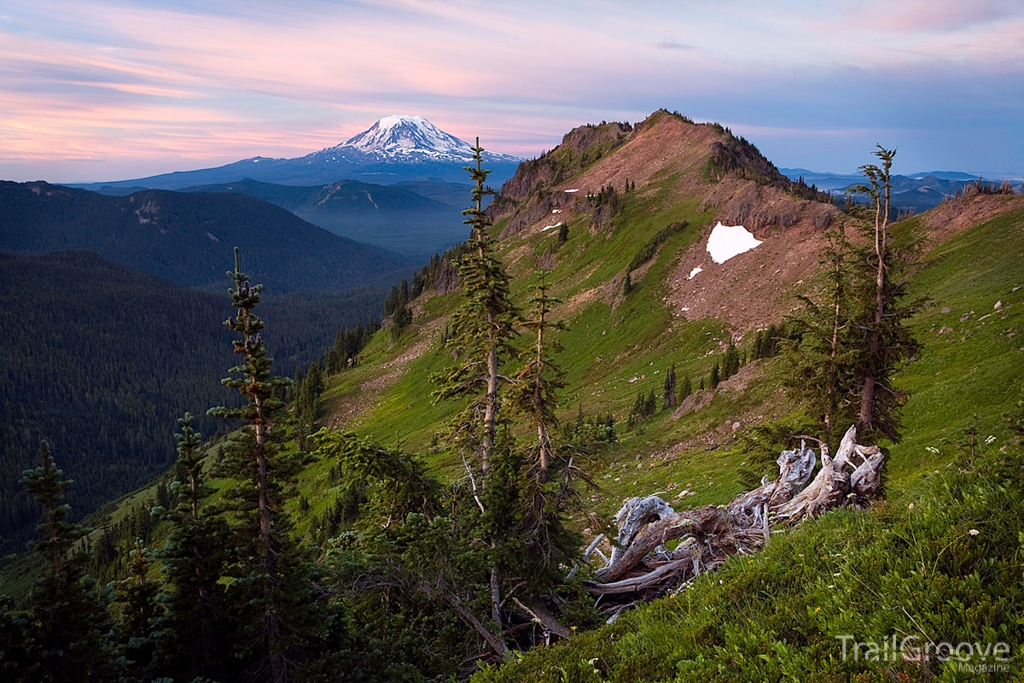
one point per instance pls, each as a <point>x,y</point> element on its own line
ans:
<point>887,342</point>
<point>69,621</point>
<point>18,661</point>
<point>533,505</point>
<point>540,377</point>
<point>272,586</point>
<point>192,639</point>
<point>731,362</point>
<point>669,397</point>
<point>821,360</point>
<point>307,402</point>
<point>716,376</point>
<point>136,596</point>
<point>482,328</point>
<point>685,387</point>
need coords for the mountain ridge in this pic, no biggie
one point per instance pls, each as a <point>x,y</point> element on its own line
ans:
<point>188,238</point>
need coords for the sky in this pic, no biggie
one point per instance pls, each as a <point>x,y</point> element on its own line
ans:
<point>118,89</point>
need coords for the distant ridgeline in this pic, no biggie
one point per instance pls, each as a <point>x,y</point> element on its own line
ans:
<point>188,238</point>
<point>415,219</point>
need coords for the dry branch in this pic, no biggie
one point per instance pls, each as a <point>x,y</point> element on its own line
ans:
<point>641,566</point>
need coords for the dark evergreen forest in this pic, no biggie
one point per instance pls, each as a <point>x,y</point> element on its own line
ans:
<point>100,359</point>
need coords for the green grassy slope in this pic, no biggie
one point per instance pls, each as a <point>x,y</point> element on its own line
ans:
<point>973,358</point>
<point>910,566</point>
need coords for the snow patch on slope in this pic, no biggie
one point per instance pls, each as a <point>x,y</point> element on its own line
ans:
<point>727,241</point>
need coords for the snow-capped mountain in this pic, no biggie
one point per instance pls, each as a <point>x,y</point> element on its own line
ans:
<point>394,149</point>
<point>410,139</point>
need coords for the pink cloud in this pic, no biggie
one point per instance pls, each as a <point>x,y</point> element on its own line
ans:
<point>113,80</point>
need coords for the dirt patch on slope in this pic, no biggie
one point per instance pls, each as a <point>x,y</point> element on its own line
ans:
<point>749,291</point>
<point>757,288</point>
<point>661,146</point>
<point>949,219</point>
<point>350,407</point>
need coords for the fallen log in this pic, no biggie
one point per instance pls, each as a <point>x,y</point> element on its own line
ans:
<point>641,565</point>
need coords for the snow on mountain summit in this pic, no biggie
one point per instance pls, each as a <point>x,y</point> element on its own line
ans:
<point>403,135</point>
<point>411,138</point>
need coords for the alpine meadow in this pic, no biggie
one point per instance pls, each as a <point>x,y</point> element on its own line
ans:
<point>654,411</point>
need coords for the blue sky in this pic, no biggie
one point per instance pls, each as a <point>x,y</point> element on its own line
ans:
<point>120,89</point>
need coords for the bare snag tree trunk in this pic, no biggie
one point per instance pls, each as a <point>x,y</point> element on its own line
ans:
<point>880,191</point>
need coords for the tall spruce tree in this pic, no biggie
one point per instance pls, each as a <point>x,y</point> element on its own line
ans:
<point>68,619</point>
<point>483,328</point>
<point>271,588</point>
<point>822,354</point>
<point>535,502</point>
<point>193,635</point>
<point>540,377</point>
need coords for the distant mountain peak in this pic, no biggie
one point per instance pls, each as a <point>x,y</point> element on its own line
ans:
<point>411,138</point>
<point>396,148</point>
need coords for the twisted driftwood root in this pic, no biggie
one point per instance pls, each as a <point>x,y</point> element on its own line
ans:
<point>641,567</point>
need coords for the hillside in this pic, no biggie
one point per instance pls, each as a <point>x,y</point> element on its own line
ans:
<point>619,345</point>
<point>670,317</point>
<point>614,338</point>
<point>908,565</point>
<point>188,238</point>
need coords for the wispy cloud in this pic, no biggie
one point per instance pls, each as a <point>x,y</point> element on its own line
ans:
<point>175,82</point>
<point>672,44</point>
